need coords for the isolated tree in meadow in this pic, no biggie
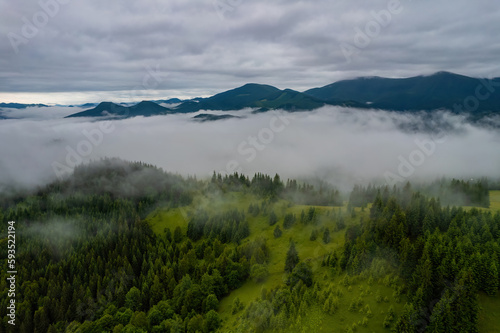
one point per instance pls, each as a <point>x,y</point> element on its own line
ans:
<point>259,273</point>
<point>277,232</point>
<point>273,219</point>
<point>326,236</point>
<point>289,220</point>
<point>311,215</point>
<point>292,258</point>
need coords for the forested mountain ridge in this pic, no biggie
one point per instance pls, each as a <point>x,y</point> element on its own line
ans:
<point>112,110</point>
<point>442,90</point>
<point>457,93</point>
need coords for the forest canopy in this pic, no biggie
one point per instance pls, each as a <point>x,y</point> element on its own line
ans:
<point>89,261</point>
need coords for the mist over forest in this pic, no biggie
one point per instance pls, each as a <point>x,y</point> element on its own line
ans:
<point>338,145</point>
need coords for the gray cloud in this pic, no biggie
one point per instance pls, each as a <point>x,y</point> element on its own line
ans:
<point>342,146</point>
<point>94,46</point>
<point>40,113</point>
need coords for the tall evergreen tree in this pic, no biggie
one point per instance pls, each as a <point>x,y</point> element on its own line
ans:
<point>292,258</point>
<point>491,283</point>
<point>273,219</point>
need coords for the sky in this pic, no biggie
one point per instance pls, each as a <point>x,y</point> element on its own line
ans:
<point>69,52</point>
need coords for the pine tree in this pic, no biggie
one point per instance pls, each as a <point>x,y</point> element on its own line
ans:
<point>465,307</point>
<point>405,323</point>
<point>177,234</point>
<point>292,258</point>
<point>442,317</point>
<point>491,282</point>
<point>326,236</point>
<point>277,232</point>
<point>273,219</point>
<point>41,321</point>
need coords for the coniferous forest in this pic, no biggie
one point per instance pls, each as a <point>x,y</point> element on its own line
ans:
<point>127,247</point>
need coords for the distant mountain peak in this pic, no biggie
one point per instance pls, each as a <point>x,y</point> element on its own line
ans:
<point>112,110</point>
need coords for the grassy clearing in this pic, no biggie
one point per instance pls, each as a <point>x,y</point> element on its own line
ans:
<point>344,318</point>
<point>311,251</point>
<point>173,217</point>
<point>489,313</point>
<point>494,201</point>
<point>379,297</point>
<point>167,218</point>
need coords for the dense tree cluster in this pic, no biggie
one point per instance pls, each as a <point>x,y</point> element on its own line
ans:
<point>445,255</point>
<point>361,196</point>
<point>274,188</point>
<point>229,226</point>
<point>452,192</point>
<point>88,263</point>
<point>460,192</point>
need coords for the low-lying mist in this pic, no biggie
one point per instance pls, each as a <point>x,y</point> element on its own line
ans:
<point>339,145</point>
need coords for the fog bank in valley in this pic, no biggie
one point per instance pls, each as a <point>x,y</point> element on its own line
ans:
<point>341,146</point>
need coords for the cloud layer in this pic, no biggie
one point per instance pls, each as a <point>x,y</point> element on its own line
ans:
<point>200,48</point>
<point>342,146</point>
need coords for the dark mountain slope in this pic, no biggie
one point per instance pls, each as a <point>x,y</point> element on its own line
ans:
<point>441,90</point>
<point>108,109</point>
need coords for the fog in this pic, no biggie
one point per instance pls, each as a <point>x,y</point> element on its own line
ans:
<point>338,145</point>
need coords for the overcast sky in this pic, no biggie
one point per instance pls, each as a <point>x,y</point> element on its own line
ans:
<point>88,51</point>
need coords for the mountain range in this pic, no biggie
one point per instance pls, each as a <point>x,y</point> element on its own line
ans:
<point>442,90</point>
<point>19,106</point>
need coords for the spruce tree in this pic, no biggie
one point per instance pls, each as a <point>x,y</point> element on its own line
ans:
<point>491,283</point>
<point>273,218</point>
<point>277,232</point>
<point>292,258</point>
<point>326,236</point>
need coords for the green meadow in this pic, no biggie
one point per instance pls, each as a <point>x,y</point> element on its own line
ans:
<point>376,290</point>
